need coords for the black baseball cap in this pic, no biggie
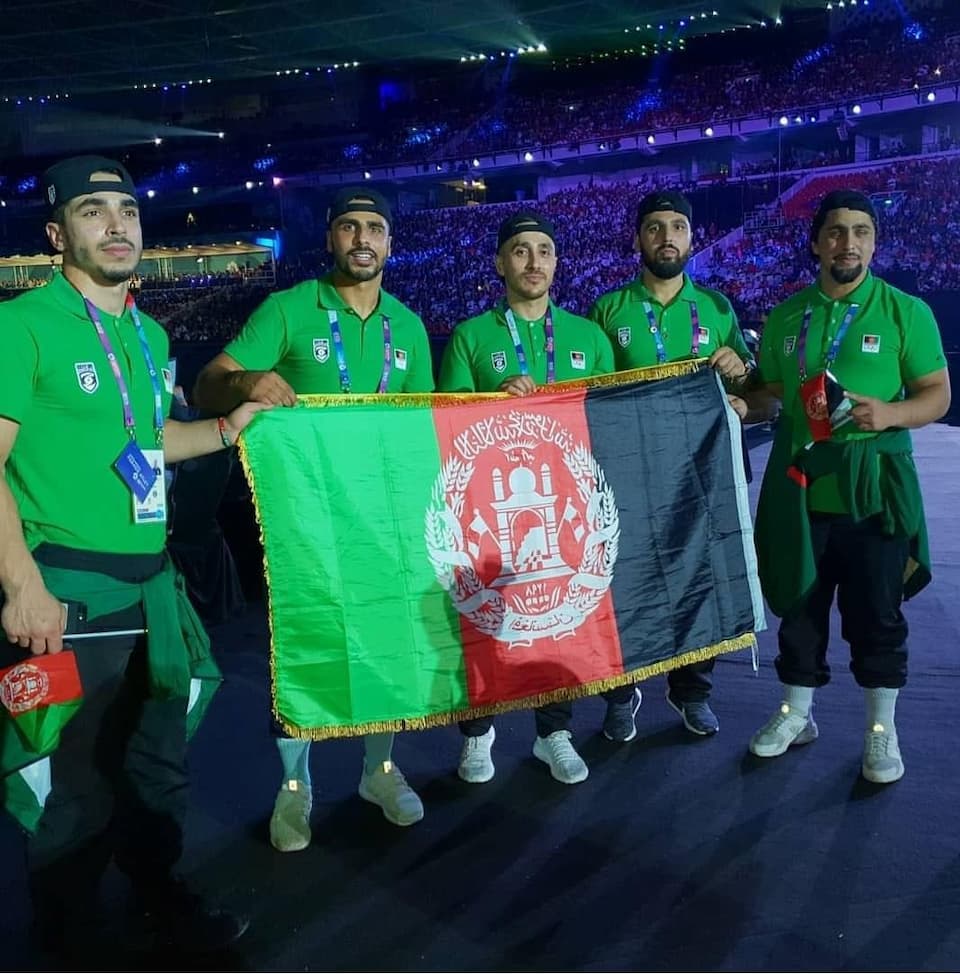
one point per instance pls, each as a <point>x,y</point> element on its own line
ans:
<point>359,199</point>
<point>841,199</point>
<point>666,200</point>
<point>524,222</point>
<point>69,178</point>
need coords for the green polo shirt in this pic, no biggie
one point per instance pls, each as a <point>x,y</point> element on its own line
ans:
<point>481,355</point>
<point>290,333</point>
<point>622,316</point>
<point>59,387</point>
<point>892,339</point>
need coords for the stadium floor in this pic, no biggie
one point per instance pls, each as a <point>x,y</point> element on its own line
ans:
<point>677,853</point>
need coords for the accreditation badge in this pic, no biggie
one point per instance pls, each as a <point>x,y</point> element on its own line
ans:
<point>578,361</point>
<point>400,359</point>
<point>152,509</point>
<point>871,344</point>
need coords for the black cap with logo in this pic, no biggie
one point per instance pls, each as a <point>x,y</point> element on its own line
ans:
<point>359,199</point>
<point>69,178</point>
<point>667,201</point>
<point>524,222</point>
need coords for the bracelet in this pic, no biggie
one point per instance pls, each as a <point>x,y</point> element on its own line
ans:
<point>222,430</point>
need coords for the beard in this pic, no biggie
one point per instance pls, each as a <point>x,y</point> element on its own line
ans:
<point>342,262</point>
<point>115,275</point>
<point>665,269</point>
<point>845,275</point>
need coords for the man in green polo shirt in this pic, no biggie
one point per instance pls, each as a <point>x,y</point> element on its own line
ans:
<point>857,364</point>
<point>663,316</point>
<point>341,333</point>
<point>524,342</point>
<point>84,436</point>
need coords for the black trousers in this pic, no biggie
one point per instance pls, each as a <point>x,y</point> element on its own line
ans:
<point>119,777</point>
<point>864,567</point>
<point>553,717</point>
<point>691,683</point>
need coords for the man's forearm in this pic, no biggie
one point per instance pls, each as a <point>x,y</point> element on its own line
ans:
<point>184,441</point>
<point>17,567</point>
<point>921,407</point>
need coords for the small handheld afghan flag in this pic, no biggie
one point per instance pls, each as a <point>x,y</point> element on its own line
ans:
<point>39,695</point>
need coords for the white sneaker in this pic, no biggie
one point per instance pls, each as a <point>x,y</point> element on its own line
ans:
<point>882,763</point>
<point>784,729</point>
<point>290,821</point>
<point>387,787</point>
<point>565,764</point>
<point>476,762</point>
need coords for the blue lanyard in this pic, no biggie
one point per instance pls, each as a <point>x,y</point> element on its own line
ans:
<point>342,357</point>
<point>658,337</point>
<point>128,421</point>
<point>551,347</point>
<point>834,349</point>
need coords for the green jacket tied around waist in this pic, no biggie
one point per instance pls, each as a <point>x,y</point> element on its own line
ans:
<point>876,477</point>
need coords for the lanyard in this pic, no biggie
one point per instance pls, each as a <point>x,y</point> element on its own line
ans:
<point>551,348</point>
<point>658,338</point>
<point>342,357</point>
<point>834,349</point>
<point>128,421</point>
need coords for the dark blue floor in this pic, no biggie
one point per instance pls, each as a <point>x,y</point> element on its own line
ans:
<point>676,854</point>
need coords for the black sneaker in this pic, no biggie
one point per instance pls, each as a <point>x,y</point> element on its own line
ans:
<point>697,716</point>
<point>178,918</point>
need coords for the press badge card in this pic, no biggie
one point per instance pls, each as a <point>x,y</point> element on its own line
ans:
<point>152,509</point>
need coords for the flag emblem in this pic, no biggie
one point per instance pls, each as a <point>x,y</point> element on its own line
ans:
<point>623,337</point>
<point>523,529</point>
<point>321,349</point>
<point>499,361</point>
<point>23,687</point>
<point>87,376</point>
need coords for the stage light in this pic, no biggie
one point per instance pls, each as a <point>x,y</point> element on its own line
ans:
<point>157,140</point>
<point>196,189</point>
<point>856,109</point>
<point>366,173</point>
<point>708,131</point>
<point>784,120</point>
<point>277,181</point>
<point>151,193</point>
<point>651,139</point>
<point>248,184</point>
<point>528,156</point>
<point>931,96</point>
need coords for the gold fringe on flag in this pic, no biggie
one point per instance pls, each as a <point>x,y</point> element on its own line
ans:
<point>746,641</point>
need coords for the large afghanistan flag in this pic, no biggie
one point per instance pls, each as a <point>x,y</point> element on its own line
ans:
<point>431,558</point>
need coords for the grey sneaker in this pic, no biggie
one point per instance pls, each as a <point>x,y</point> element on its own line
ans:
<point>784,729</point>
<point>620,723</point>
<point>565,764</point>
<point>388,788</point>
<point>882,762</point>
<point>476,761</point>
<point>290,822</point>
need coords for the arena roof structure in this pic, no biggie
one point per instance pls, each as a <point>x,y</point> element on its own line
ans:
<point>54,46</point>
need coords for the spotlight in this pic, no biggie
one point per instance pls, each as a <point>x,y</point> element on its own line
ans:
<point>856,109</point>
<point>784,120</point>
<point>708,131</point>
<point>931,96</point>
<point>150,194</point>
<point>157,140</point>
<point>528,156</point>
<point>651,139</point>
<point>196,189</point>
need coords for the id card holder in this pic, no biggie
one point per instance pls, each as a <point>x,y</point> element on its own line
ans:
<point>136,470</point>
<point>152,509</point>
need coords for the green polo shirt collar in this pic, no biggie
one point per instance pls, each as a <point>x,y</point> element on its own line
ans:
<point>500,312</point>
<point>859,295</point>
<point>640,292</point>
<point>329,297</point>
<point>70,300</point>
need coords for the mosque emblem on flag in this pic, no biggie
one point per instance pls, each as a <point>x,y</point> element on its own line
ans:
<point>522,528</point>
<point>23,687</point>
<point>87,376</point>
<point>499,361</point>
<point>321,349</point>
<point>623,337</point>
